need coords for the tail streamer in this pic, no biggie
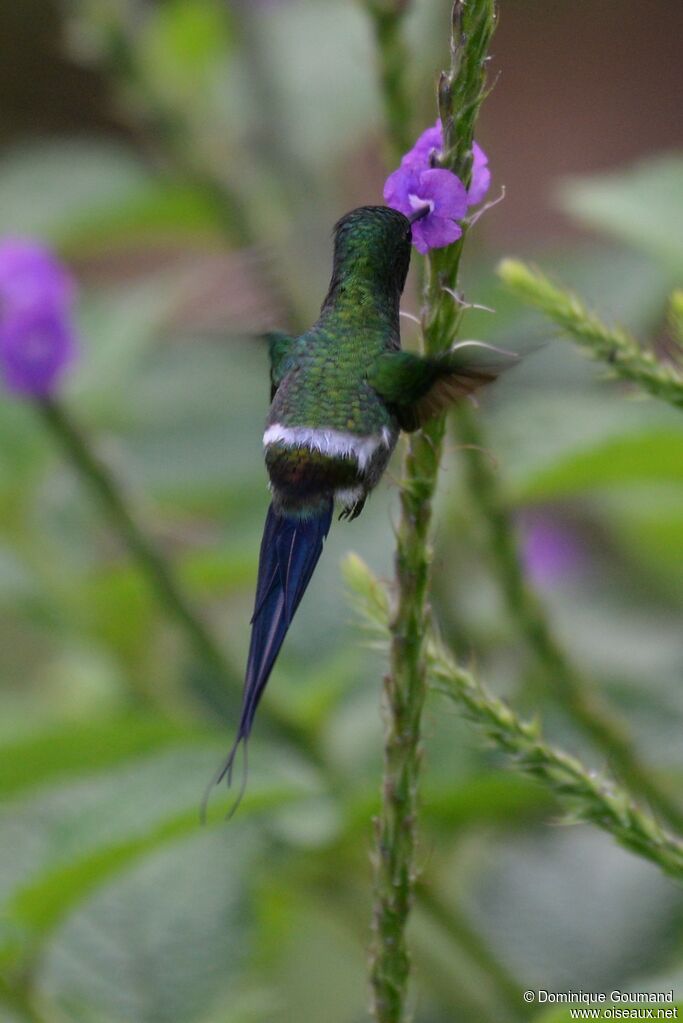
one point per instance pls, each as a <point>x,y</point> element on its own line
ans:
<point>290,550</point>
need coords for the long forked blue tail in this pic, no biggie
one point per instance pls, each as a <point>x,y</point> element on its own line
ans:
<point>290,550</point>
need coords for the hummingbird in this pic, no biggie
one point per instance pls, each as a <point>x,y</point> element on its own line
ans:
<point>340,394</point>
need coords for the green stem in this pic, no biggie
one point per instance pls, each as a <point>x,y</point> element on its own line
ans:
<point>457,927</point>
<point>393,58</point>
<point>589,796</point>
<point>150,560</point>
<point>626,359</point>
<point>233,220</point>
<point>577,694</point>
<point>461,91</point>
<point>152,563</point>
<point>165,131</point>
<point>445,983</point>
<point>676,317</point>
<point>15,996</point>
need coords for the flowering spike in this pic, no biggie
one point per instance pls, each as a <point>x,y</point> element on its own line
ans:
<point>37,337</point>
<point>425,191</point>
<point>36,348</point>
<point>410,189</point>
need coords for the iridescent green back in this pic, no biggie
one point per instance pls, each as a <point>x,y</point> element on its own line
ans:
<point>326,385</point>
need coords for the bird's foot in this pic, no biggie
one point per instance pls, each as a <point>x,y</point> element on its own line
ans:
<point>352,511</point>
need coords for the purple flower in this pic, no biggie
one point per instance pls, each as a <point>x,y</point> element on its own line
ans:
<point>37,336</point>
<point>481,176</point>
<point>410,188</point>
<point>36,348</point>
<point>551,551</point>
<point>30,275</point>
<point>417,183</point>
<point>430,143</point>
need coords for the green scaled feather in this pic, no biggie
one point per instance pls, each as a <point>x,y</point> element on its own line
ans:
<point>420,387</point>
<point>280,351</point>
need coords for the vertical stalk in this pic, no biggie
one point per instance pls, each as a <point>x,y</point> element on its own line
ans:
<point>392,54</point>
<point>166,133</point>
<point>153,565</point>
<point>461,91</point>
<point>573,691</point>
<point>454,923</point>
<point>145,553</point>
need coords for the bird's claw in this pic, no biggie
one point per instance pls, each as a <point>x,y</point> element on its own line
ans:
<point>352,511</point>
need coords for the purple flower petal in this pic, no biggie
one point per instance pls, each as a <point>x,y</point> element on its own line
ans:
<point>435,233</point>
<point>37,338</point>
<point>445,190</point>
<point>417,183</point>
<point>398,186</point>
<point>409,188</point>
<point>551,550</point>
<point>31,275</point>
<point>36,348</point>
<point>481,176</point>
<point>430,142</point>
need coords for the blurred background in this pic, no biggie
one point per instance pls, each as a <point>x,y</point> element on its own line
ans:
<point>188,160</point>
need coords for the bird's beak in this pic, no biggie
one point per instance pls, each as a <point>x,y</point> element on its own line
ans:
<point>419,213</point>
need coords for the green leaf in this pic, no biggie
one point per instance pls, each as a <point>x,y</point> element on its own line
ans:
<point>496,797</point>
<point>182,41</point>
<point>40,905</point>
<point>162,942</point>
<point>77,749</point>
<point>655,456</point>
<point>151,212</point>
<point>312,955</point>
<point>642,206</point>
<point>44,186</point>
<point>647,522</point>
<point>59,844</point>
<point>546,426</point>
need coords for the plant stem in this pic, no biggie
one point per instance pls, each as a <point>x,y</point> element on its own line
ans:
<point>16,997</point>
<point>576,693</point>
<point>676,317</point>
<point>392,54</point>
<point>590,797</point>
<point>453,923</point>
<point>460,94</point>
<point>165,132</point>
<point>612,345</point>
<point>445,984</point>
<point>150,560</point>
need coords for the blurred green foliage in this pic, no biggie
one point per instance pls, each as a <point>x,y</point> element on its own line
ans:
<point>117,907</point>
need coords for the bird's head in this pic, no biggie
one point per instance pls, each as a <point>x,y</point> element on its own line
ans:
<point>373,243</point>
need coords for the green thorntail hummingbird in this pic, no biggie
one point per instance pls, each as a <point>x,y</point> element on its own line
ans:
<point>340,395</point>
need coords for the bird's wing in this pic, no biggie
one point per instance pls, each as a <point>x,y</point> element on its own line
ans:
<point>280,351</point>
<point>420,387</point>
